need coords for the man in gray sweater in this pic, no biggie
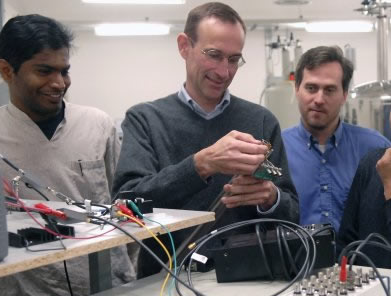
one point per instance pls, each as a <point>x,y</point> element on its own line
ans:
<point>181,151</point>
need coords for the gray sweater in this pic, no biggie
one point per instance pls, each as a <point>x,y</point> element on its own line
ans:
<point>160,139</point>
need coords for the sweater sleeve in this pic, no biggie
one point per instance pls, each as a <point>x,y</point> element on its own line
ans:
<point>138,168</point>
<point>288,209</point>
<point>112,152</point>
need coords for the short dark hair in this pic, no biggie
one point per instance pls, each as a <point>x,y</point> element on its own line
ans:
<point>24,36</point>
<point>320,55</point>
<point>212,9</point>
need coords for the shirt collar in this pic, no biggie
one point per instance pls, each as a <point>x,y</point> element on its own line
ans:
<point>334,139</point>
<point>16,112</point>
<point>185,98</point>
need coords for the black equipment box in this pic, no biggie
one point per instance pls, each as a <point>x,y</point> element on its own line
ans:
<point>239,258</point>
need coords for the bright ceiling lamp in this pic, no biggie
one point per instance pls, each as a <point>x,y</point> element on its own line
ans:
<point>131,29</point>
<point>297,25</point>
<point>135,1</point>
<point>339,26</point>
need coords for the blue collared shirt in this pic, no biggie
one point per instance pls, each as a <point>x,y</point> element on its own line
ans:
<point>323,180</point>
<point>185,97</point>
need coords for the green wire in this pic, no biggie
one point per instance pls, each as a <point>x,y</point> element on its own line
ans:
<point>137,211</point>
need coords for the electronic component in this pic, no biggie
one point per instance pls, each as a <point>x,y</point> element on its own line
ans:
<point>144,206</point>
<point>121,205</point>
<point>34,236</point>
<point>44,209</point>
<point>267,170</point>
<point>239,257</point>
<point>75,216</point>
<point>327,283</point>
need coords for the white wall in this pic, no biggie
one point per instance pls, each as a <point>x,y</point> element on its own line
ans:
<point>8,11</point>
<point>364,43</point>
<point>115,73</point>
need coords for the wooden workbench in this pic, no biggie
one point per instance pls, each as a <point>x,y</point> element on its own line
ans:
<point>19,259</point>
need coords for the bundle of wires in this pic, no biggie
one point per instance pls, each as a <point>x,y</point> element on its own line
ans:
<point>304,236</point>
<point>354,249</point>
<point>197,293</point>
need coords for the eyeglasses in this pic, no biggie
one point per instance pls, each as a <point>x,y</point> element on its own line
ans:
<point>217,56</point>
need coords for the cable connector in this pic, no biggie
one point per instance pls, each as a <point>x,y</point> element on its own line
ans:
<point>120,210</point>
<point>343,272</point>
<point>44,209</point>
<point>267,170</point>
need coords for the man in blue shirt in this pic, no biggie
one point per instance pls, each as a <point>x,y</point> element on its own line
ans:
<point>323,151</point>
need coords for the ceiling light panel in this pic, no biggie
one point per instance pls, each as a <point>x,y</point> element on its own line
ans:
<point>131,29</point>
<point>134,1</point>
<point>339,26</point>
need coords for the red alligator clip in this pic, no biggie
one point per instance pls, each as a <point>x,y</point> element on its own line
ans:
<point>124,209</point>
<point>50,212</point>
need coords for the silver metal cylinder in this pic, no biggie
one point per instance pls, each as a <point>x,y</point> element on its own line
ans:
<point>382,45</point>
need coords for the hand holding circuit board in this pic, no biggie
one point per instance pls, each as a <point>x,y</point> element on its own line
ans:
<point>267,170</point>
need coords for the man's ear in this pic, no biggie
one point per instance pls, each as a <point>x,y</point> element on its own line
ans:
<point>6,70</point>
<point>183,45</point>
<point>345,96</point>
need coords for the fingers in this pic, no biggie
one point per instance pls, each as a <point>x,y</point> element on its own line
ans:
<point>383,167</point>
<point>241,200</point>
<point>246,190</point>
<point>246,143</point>
<point>385,159</point>
<point>235,153</point>
<point>244,137</point>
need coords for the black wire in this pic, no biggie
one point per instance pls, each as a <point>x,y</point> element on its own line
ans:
<point>38,191</point>
<point>150,252</point>
<point>53,224</point>
<point>185,259</point>
<point>97,222</point>
<point>288,252</point>
<point>384,244</point>
<point>9,163</point>
<point>362,243</point>
<point>372,235</point>
<point>68,279</point>
<point>251,222</point>
<point>370,243</point>
<point>306,267</point>
<point>263,254</point>
<point>208,236</point>
<point>202,242</point>
<point>282,257</point>
<point>369,261</point>
<point>324,228</point>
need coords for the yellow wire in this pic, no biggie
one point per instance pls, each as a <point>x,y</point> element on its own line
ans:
<point>160,243</point>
